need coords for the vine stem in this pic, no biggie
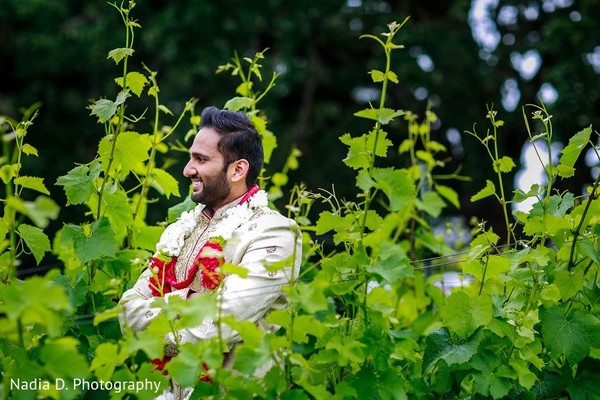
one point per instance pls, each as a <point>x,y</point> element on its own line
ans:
<point>501,185</point>
<point>129,35</point>
<point>145,185</point>
<point>593,196</point>
<point>12,235</point>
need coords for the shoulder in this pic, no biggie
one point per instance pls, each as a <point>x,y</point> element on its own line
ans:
<point>266,214</point>
<point>266,218</point>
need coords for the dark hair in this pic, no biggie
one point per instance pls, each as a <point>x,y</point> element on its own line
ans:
<point>239,139</point>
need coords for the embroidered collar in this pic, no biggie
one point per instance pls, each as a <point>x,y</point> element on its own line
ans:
<point>209,257</point>
<point>172,240</point>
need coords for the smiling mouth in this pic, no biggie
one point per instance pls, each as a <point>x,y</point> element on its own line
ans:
<point>197,186</point>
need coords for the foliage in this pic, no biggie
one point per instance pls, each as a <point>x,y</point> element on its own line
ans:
<point>367,317</point>
<point>49,52</point>
<point>16,236</point>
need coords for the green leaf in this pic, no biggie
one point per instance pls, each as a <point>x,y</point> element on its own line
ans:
<point>99,242</point>
<point>463,314</point>
<point>587,248</point>
<point>392,77</point>
<point>310,297</point>
<point>238,103</point>
<point>493,378</point>
<point>406,145</point>
<point>130,150</point>
<point>193,311</point>
<point>146,237</point>
<point>305,325</point>
<point>118,54</point>
<point>376,75</point>
<point>165,183</point>
<point>348,350</point>
<point>449,194</point>
<point>441,345</point>
<point>107,315</point>
<point>29,150</point>
<point>526,378</point>
<point>118,211</point>
<point>245,88</point>
<point>3,229</point>
<point>40,211</point>
<point>329,221</point>
<point>104,109</point>
<point>76,288</point>
<point>569,284</point>
<point>232,269</point>
<point>165,109</point>
<point>431,203</point>
<point>46,308</point>
<point>279,179</point>
<point>488,190</point>
<point>492,266</point>
<point>185,368</point>
<point>435,147</point>
<point>269,144</point>
<point>397,186</point>
<point>393,265</point>
<point>62,359</point>
<point>32,182</point>
<point>504,164</point>
<point>36,240</point>
<point>361,148</point>
<point>382,115</point>
<point>105,361</point>
<point>364,181</point>
<point>571,335</point>
<point>175,211</point>
<point>78,183</point>
<point>571,152</point>
<point>9,171</point>
<point>150,340</point>
<point>136,82</point>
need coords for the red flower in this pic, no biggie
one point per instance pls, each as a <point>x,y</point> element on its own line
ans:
<point>203,375</point>
<point>210,263</point>
<point>161,364</point>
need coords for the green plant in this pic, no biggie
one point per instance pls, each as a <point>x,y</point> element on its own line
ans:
<point>16,236</point>
<point>366,317</point>
<point>528,327</point>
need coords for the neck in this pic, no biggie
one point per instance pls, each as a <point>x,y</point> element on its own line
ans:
<point>243,198</point>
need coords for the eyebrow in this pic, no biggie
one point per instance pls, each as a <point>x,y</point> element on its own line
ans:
<point>196,154</point>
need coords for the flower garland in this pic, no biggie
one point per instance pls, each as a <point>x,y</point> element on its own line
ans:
<point>210,256</point>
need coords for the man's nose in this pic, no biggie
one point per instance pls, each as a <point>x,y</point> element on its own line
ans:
<point>188,170</point>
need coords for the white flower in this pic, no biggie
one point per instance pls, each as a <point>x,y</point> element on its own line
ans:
<point>260,199</point>
<point>166,395</point>
<point>172,239</point>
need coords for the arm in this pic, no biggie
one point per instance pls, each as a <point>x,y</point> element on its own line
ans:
<point>137,303</point>
<point>265,240</point>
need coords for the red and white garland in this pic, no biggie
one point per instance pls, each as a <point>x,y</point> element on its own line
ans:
<point>210,257</point>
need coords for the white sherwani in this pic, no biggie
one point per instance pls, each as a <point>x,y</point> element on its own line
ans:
<point>267,237</point>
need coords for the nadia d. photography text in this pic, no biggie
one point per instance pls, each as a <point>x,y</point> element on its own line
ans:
<point>85,385</point>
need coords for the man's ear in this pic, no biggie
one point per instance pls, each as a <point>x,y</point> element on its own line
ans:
<point>239,170</point>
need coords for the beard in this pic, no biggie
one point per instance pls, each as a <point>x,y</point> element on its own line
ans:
<point>215,189</point>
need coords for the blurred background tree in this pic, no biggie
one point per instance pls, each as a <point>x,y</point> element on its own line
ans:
<point>460,57</point>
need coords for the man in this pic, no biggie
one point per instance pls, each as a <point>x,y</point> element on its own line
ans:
<point>231,224</point>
